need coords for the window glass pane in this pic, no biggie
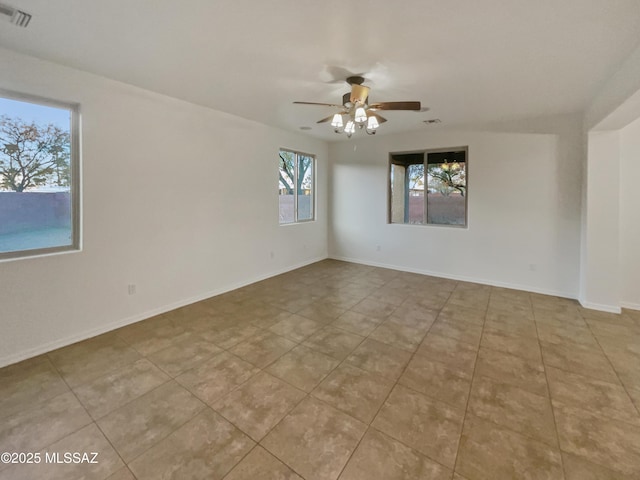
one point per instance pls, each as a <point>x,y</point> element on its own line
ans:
<point>415,201</point>
<point>305,188</point>
<point>285,187</point>
<point>447,185</point>
<point>440,175</point>
<point>397,176</point>
<point>35,176</point>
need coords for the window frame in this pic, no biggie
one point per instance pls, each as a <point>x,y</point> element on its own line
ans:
<point>75,169</point>
<point>427,152</point>
<point>313,158</point>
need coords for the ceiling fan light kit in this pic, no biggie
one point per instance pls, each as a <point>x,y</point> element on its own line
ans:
<point>357,112</point>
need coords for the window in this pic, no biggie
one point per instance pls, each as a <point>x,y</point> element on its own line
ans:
<point>39,149</point>
<point>296,187</point>
<point>438,199</point>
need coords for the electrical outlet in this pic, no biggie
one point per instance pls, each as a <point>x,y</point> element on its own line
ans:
<point>533,267</point>
<point>378,248</point>
<point>272,255</point>
<point>131,289</point>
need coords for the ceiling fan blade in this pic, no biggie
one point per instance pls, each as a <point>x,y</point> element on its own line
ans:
<point>413,106</point>
<point>320,104</point>
<point>330,117</point>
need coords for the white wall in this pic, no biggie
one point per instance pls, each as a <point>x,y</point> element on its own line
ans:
<point>599,288</point>
<point>630,216</point>
<point>179,199</point>
<point>523,208</point>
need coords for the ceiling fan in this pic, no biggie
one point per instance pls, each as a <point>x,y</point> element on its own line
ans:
<point>357,112</point>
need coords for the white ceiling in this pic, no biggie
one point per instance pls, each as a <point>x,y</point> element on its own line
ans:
<point>471,62</point>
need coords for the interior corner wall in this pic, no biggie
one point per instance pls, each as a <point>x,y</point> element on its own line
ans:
<point>179,199</point>
<point>524,195</point>
<point>630,216</point>
<point>599,273</point>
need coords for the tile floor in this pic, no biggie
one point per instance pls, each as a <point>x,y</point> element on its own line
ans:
<point>339,371</point>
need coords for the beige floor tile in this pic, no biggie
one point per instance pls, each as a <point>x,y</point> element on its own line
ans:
<point>296,304</point>
<point>566,316</point>
<point>268,321</point>
<point>510,324</point>
<point>354,391</point>
<point>577,468</point>
<point>54,465</point>
<point>216,377</point>
<point>374,308</point>
<point>26,384</point>
<point>152,335</point>
<point>400,336</point>
<point>523,309</point>
<point>455,354</point>
<point>379,358</point>
<point>624,355</point>
<point>610,443</point>
<point>516,371</point>
<point>455,312</point>
<point>390,296</point>
<point>411,316</point>
<point>488,451</point>
<point>428,300</point>
<point>230,336</point>
<point>598,397</point>
<point>477,303</point>
<point>207,446</point>
<point>296,328</point>
<point>356,323</point>
<point>634,393</point>
<point>520,346</point>
<point>334,342</point>
<point>514,408</point>
<point>429,426</point>
<point>341,300</point>
<point>380,457</point>
<point>315,440</point>
<point>115,389</point>
<point>437,381</point>
<point>321,312</point>
<point>460,330</point>
<point>590,314</point>
<point>560,332</point>
<point>122,474</point>
<point>303,367</point>
<point>138,425</point>
<point>31,430</point>
<point>263,348</point>
<point>616,329</point>
<point>258,404</point>
<point>590,362</point>
<point>85,361</point>
<point>184,355</point>
<point>261,465</point>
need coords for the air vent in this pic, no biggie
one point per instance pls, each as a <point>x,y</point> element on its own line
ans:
<point>17,17</point>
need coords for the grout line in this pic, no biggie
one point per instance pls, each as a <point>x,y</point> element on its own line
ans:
<point>624,387</point>
<point>546,377</point>
<point>382,404</point>
<point>473,376</point>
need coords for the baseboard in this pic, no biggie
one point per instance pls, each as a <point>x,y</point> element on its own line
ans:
<point>461,278</point>
<point>601,307</point>
<point>63,342</point>
<point>630,305</point>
